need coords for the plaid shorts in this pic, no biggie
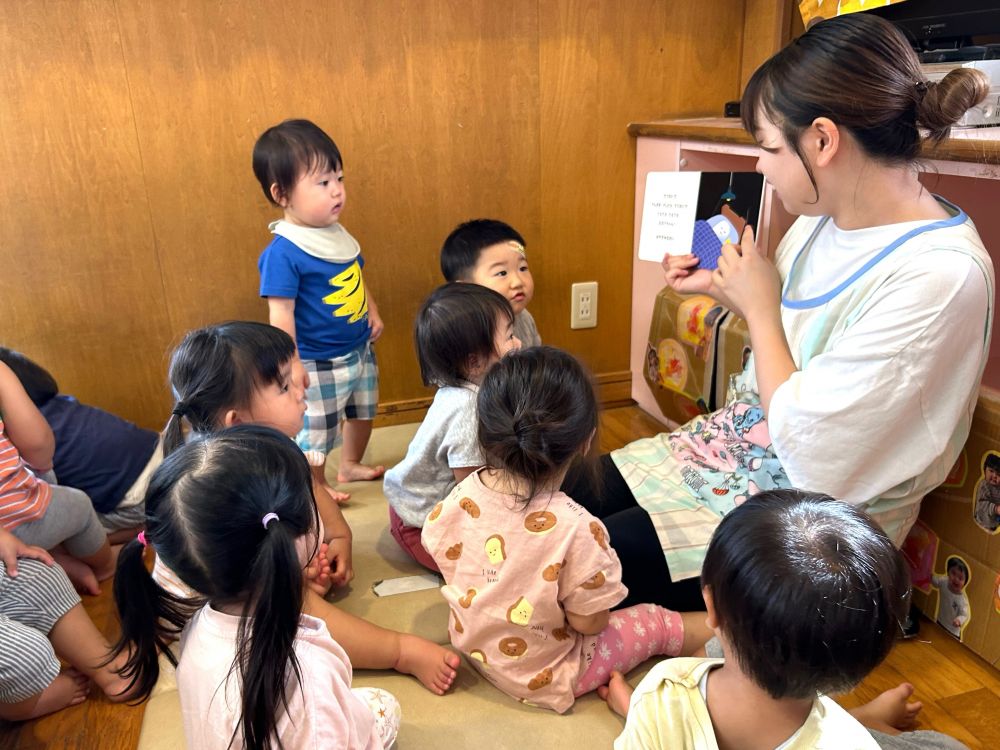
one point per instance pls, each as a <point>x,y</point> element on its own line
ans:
<point>342,387</point>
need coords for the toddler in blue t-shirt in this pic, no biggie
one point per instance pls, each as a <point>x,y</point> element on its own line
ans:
<point>311,277</point>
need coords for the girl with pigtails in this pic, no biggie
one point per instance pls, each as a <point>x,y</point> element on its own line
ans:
<point>233,516</point>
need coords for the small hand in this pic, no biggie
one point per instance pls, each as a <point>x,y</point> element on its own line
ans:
<point>339,555</point>
<point>956,623</point>
<point>678,273</point>
<point>377,326</point>
<point>11,548</point>
<point>747,277</point>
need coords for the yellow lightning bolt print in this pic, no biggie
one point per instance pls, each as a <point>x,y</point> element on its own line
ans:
<point>349,299</point>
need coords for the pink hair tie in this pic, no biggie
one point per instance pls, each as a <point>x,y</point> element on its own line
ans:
<point>268,518</point>
<point>141,536</point>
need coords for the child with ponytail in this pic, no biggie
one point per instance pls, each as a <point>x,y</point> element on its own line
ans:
<point>240,372</point>
<point>233,516</point>
<point>530,576</point>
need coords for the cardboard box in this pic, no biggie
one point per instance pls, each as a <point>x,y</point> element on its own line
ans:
<point>950,534</point>
<point>695,344</point>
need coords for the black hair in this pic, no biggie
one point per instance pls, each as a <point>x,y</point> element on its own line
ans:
<point>456,325</point>
<point>957,562</point>
<point>287,151</point>
<point>205,506</point>
<point>859,71</point>
<point>38,382</point>
<point>219,367</point>
<point>992,461</point>
<point>808,591</point>
<point>460,251</point>
<point>537,409</point>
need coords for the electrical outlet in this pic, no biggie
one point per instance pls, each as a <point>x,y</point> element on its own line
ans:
<point>583,305</point>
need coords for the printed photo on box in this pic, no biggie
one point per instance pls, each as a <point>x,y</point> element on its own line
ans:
<point>953,611</point>
<point>986,509</point>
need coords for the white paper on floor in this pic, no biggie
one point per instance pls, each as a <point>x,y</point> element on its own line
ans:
<point>406,584</point>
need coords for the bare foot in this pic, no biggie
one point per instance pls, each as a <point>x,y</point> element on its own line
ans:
<point>351,471</point>
<point>891,712</point>
<point>68,689</point>
<point>616,693</point>
<point>79,573</point>
<point>435,666</point>
<point>318,572</point>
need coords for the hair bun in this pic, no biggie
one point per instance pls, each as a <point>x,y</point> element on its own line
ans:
<point>940,104</point>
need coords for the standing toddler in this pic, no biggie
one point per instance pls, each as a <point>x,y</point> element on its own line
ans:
<point>311,277</point>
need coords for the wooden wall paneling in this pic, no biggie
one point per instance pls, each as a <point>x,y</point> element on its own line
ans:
<point>433,106</point>
<point>602,65</point>
<point>142,116</point>
<point>81,284</point>
<point>456,138</point>
<point>767,27</point>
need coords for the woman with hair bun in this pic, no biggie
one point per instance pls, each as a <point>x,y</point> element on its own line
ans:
<point>870,327</point>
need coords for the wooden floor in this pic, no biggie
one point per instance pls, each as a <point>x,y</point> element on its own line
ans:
<point>960,692</point>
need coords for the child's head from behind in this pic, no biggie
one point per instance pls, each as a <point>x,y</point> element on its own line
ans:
<point>233,516</point>
<point>207,504</point>
<point>460,331</point>
<point>808,592</point>
<point>231,373</point>
<point>958,574</point>
<point>490,253</point>
<point>537,412</point>
<point>300,169</point>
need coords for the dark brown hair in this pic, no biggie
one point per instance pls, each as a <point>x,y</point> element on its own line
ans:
<point>220,367</point>
<point>809,592</point>
<point>537,409</point>
<point>455,325</point>
<point>859,71</point>
<point>287,151</point>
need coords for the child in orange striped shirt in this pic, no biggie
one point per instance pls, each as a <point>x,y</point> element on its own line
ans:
<point>56,518</point>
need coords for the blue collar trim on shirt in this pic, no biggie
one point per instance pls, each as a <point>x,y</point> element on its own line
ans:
<point>804,304</point>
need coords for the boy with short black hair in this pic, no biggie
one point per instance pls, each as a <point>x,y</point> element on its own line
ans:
<point>805,595</point>
<point>492,254</point>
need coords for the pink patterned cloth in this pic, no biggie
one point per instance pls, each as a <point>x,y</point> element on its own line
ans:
<point>633,635</point>
<point>512,571</point>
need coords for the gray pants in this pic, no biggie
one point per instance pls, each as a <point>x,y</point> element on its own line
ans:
<point>30,606</point>
<point>69,520</point>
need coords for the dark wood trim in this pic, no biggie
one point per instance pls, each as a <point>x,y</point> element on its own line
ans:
<point>614,389</point>
<point>979,146</point>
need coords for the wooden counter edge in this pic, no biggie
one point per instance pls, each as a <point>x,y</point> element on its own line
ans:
<point>971,148</point>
